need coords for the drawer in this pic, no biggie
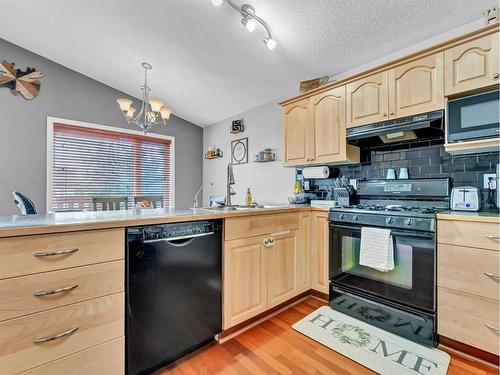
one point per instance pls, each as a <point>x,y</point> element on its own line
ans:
<point>469,233</point>
<point>69,286</point>
<point>465,269</point>
<point>249,226</point>
<point>107,358</point>
<point>98,320</point>
<point>463,317</point>
<point>58,251</point>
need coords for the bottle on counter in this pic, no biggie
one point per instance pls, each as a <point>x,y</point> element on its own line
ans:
<point>248,198</point>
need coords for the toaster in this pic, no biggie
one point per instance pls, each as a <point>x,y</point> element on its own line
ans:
<point>465,198</point>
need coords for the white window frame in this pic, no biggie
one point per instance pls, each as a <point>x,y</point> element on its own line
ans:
<point>50,139</point>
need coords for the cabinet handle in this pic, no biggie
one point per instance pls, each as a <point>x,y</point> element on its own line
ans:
<point>53,253</point>
<point>496,76</point>
<point>269,242</point>
<point>490,237</point>
<point>41,340</point>
<point>492,275</point>
<point>493,328</point>
<point>391,113</point>
<point>385,114</point>
<point>54,291</point>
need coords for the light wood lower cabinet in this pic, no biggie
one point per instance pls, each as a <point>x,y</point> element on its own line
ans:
<point>304,253</point>
<point>259,273</point>
<point>245,280</point>
<point>470,319</point>
<point>22,344</point>
<point>319,251</point>
<point>105,359</point>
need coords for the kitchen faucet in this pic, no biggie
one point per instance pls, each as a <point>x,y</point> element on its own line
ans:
<point>229,182</point>
<point>195,202</point>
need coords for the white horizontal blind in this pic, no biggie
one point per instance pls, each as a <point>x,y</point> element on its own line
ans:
<point>91,163</point>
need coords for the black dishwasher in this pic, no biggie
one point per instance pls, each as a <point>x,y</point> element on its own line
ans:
<point>173,291</point>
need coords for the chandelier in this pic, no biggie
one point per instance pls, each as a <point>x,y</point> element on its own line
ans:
<point>249,19</point>
<point>152,112</point>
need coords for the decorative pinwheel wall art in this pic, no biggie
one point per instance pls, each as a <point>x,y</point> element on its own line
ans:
<point>21,82</point>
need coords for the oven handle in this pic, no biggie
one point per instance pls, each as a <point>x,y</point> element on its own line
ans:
<point>393,233</point>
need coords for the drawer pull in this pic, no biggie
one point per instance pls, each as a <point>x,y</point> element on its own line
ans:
<point>493,328</point>
<point>41,340</point>
<point>492,275</point>
<point>269,242</point>
<point>54,291</point>
<point>496,238</point>
<point>53,253</point>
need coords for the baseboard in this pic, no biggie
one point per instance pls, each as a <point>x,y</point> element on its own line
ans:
<point>468,352</point>
<point>252,322</point>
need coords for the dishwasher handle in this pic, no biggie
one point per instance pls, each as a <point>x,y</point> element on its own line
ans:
<point>188,239</point>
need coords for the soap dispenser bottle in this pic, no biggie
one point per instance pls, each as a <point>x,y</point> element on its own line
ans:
<point>248,198</point>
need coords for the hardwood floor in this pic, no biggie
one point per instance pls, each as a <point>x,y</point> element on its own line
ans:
<point>273,347</point>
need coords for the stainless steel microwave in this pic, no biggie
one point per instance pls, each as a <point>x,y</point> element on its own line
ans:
<point>474,117</point>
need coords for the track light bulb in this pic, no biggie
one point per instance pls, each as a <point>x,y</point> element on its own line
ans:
<point>217,3</point>
<point>270,43</point>
<point>250,24</point>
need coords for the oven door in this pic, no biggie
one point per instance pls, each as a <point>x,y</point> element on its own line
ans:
<point>411,283</point>
<point>474,116</point>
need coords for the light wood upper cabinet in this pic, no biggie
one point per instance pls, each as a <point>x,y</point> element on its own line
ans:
<point>416,87</point>
<point>315,130</point>
<point>472,65</point>
<point>245,280</point>
<point>367,100</point>
<point>320,248</point>
<point>329,126</point>
<point>281,262</point>
<point>296,128</point>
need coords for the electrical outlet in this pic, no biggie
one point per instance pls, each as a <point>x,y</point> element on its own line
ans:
<point>486,176</point>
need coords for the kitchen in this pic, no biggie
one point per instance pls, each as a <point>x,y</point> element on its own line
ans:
<point>367,198</point>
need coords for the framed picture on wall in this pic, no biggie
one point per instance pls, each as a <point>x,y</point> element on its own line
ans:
<point>239,151</point>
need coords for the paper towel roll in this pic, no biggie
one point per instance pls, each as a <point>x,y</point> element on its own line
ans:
<point>316,172</point>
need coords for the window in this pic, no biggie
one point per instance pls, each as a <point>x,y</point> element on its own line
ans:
<point>100,162</point>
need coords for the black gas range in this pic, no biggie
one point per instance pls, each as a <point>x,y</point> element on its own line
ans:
<point>403,300</point>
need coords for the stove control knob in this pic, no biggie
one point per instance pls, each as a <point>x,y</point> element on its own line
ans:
<point>409,222</point>
<point>356,217</point>
<point>389,220</point>
<point>341,216</point>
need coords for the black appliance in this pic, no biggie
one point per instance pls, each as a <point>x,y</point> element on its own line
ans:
<point>402,301</point>
<point>401,130</point>
<point>474,117</point>
<point>173,291</point>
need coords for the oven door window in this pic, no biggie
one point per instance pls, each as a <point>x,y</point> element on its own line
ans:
<point>410,283</point>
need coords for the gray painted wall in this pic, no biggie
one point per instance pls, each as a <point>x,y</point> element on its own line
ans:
<point>70,95</point>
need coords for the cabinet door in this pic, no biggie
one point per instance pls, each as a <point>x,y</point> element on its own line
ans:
<point>296,129</point>
<point>281,256</point>
<point>416,87</point>
<point>245,280</point>
<point>304,253</point>
<point>367,100</point>
<point>329,143</point>
<point>320,248</point>
<point>472,65</point>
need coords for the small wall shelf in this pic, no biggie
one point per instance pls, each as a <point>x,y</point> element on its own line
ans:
<point>217,156</point>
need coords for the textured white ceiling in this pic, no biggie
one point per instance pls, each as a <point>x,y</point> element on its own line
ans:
<point>206,66</point>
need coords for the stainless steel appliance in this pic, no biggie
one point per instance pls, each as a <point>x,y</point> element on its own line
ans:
<point>473,117</point>
<point>465,198</point>
<point>402,130</point>
<point>403,300</point>
<point>173,291</point>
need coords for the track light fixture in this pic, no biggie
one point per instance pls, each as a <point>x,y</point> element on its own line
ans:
<point>249,20</point>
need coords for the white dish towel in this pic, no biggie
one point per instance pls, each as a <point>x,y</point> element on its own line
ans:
<point>377,249</point>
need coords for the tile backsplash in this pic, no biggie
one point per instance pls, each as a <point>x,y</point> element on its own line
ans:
<point>429,160</point>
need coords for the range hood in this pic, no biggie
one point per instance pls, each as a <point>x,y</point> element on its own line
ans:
<point>402,130</point>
